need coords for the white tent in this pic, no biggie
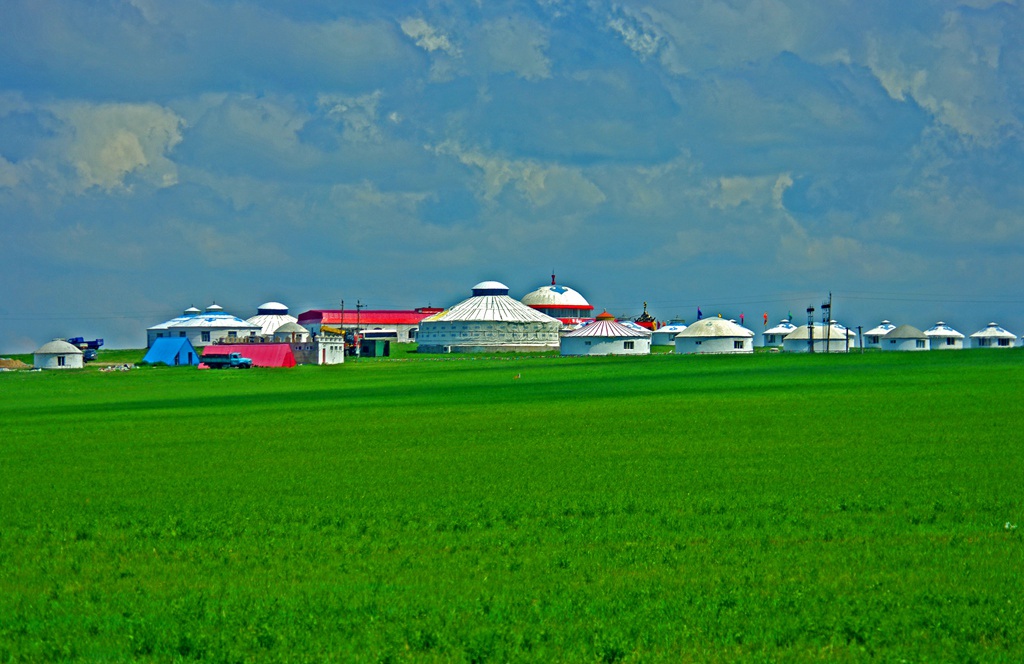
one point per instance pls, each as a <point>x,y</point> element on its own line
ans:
<point>943,337</point>
<point>606,336</point>
<point>993,336</point>
<point>58,354</point>
<point>666,334</point>
<point>773,336</point>
<point>834,338</point>
<point>561,302</point>
<point>490,320</point>
<point>905,337</point>
<point>714,335</point>
<point>873,337</point>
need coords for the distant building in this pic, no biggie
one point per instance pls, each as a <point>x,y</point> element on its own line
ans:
<point>905,337</point>
<point>993,336</point>
<point>873,337</point>
<point>666,334</point>
<point>943,337</point>
<point>172,351</point>
<point>405,322</point>
<point>560,302</point>
<point>324,348</point>
<point>834,338</point>
<point>204,328</point>
<point>714,335</point>
<point>489,321</point>
<point>270,316</point>
<point>58,354</point>
<point>606,336</point>
<point>773,336</point>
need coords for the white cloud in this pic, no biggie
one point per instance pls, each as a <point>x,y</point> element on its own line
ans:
<point>358,115</point>
<point>427,37</point>
<point>107,143</point>
<point>516,45</point>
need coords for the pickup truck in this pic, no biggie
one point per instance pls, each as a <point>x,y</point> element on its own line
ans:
<point>230,361</point>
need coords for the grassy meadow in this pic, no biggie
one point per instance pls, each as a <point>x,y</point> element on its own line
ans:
<point>666,508</point>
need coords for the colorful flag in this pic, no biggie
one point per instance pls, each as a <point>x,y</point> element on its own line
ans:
<point>766,319</point>
<point>699,314</point>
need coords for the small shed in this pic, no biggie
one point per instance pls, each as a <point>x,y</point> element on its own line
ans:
<point>172,351</point>
<point>905,337</point>
<point>943,337</point>
<point>873,337</point>
<point>606,336</point>
<point>993,336</point>
<point>58,354</point>
<point>715,335</point>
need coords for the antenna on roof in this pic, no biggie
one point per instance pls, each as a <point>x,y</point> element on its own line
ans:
<point>810,329</point>
<point>552,277</point>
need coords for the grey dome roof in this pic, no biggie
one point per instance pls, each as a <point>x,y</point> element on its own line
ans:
<point>57,347</point>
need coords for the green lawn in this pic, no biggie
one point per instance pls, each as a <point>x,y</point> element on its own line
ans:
<point>662,508</point>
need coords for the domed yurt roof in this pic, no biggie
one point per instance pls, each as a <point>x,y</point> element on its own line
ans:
<point>834,331</point>
<point>58,347</point>
<point>606,326</point>
<point>554,295</point>
<point>491,302</point>
<point>993,331</point>
<point>714,327</point>
<point>270,316</point>
<point>940,329</point>
<point>905,332</point>
<point>883,328</point>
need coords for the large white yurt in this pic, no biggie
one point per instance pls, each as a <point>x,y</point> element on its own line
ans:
<point>773,336</point>
<point>560,302</point>
<point>714,335</point>
<point>203,328</point>
<point>873,337</point>
<point>834,338</point>
<point>606,336</point>
<point>905,337</point>
<point>270,316</point>
<point>993,336</point>
<point>943,337</point>
<point>666,334</point>
<point>488,321</point>
<point>58,354</point>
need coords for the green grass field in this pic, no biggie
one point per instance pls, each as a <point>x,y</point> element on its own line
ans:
<point>664,508</point>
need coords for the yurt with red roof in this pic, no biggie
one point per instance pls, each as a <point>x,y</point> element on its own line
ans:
<point>606,336</point>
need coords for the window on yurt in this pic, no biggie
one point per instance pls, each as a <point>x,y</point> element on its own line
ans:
<point>60,361</point>
<point>949,341</point>
<point>206,336</point>
<point>628,345</point>
<point>738,345</point>
<point>920,343</point>
<point>1004,342</point>
<point>182,333</point>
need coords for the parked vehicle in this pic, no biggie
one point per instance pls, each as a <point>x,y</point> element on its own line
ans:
<point>230,361</point>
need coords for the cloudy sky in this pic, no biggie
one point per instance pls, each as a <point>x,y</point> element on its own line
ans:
<point>737,155</point>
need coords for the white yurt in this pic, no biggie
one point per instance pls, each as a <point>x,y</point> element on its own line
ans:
<point>203,328</point>
<point>873,337</point>
<point>270,316</point>
<point>488,321</point>
<point>773,336</point>
<point>714,335</point>
<point>606,336</point>
<point>666,334</point>
<point>560,302</point>
<point>58,354</point>
<point>834,338</point>
<point>290,333</point>
<point>905,337</point>
<point>993,336</point>
<point>943,337</point>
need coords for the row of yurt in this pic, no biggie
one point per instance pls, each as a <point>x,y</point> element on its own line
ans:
<point>938,337</point>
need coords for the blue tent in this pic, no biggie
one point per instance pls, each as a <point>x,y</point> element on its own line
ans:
<point>172,351</point>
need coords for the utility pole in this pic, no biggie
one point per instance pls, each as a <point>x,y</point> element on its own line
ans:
<point>860,339</point>
<point>826,317</point>
<point>810,329</point>
<point>359,344</point>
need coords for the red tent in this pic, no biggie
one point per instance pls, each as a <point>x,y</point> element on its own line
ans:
<point>262,355</point>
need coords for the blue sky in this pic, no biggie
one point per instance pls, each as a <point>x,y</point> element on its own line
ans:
<point>741,156</point>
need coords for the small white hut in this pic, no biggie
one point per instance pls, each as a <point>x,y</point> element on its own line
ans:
<point>873,337</point>
<point>714,335</point>
<point>773,336</point>
<point>58,354</point>
<point>905,337</point>
<point>606,336</point>
<point>943,337</point>
<point>834,338</point>
<point>993,336</point>
<point>666,334</point>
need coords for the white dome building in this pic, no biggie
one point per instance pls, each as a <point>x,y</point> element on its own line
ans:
<point>58,354</point>
<point>560,302</point>
<point>204,328</point>
<point>270,316</point>
<point>873,337</point>
<point>489,321</point>
<point>943,337</point>
<point>606,336</point>
<point>666,334</point>
<point>714,335</point>
<point>837,338</point>
<point>993,336</point>
<point>773,336</point>
<point>905,337</point>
